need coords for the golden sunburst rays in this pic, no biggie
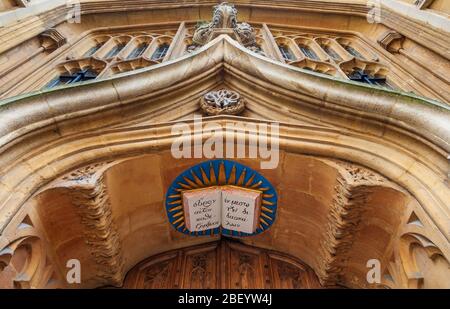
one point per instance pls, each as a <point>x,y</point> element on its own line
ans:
<point>212,175</point>
<point>215,174</point>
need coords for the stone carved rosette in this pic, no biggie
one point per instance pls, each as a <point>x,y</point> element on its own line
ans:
<point>222,102</point>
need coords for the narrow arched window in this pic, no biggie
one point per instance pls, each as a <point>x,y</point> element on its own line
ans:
<point>161,51</point>
<point>115,50</point>
<point>286,52</point>
<point>308,52</point>
<point>138,51</point>
<point>359,75</point>
<point>79,76</point>
<point>93,50</point>
<point>353,52</point>
<point>332,53</point>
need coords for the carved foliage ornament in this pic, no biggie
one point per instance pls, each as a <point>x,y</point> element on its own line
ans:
<point>222,102</point>
<point>225,21</point>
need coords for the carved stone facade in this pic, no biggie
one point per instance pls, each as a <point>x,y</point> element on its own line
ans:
<point>88,123</point>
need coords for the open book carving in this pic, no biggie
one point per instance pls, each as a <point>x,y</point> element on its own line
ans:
<point>221,197</point>
<point>229,207</point>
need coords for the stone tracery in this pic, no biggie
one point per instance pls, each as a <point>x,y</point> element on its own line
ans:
<point>222,102</point>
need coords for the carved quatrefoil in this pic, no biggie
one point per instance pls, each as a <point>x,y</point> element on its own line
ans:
<point>222,102</point>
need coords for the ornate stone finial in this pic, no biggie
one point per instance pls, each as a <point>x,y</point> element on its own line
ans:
<point>225,22</point>
<point>224,16</point>
<point>222,102</point>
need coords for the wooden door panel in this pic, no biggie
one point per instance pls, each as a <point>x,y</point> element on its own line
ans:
<point>200,268</point>
<point>247,265</point>
<point>156,273</point>
<point>224,264</point>
<point>289,274</point>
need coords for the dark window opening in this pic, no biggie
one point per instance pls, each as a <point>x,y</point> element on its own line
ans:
<point>308,52</point>
<point>353,52</point>
<point>161,51</point>
<point>332,53</point>
<point>65,79</point>
<point>93,50</point>
<point>359,76</point>
<point>286,52</point>
<point>115,50</point>
<point>138,51</point>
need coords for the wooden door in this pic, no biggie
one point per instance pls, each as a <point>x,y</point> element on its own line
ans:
<point>225,264</point>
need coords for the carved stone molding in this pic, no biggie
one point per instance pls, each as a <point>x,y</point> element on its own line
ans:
<point>362,176</point>
<point>392,41</point>
<point>344,217</point>
<point>222,102</point>
<point>24,261</point>
<point>354,185</point>
<point>415,273</point>
<point>52,39</point>
<point>420,257</point>
<point>85,174</point>
<point>89,194</point>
